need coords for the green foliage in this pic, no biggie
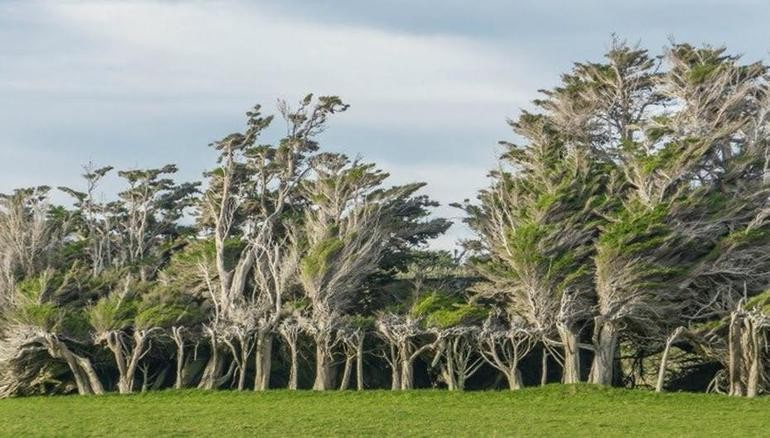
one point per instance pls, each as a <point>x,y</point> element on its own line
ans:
<point>443,311</point>
<point>458,314</point>
<point>164,315</point>
<point>315,263</point>
<point>113,312</point>
<point>524,242</point>
<point>47,316</point>
<point>760,301</point>
<point>432,302</point>
<point>636,228</point>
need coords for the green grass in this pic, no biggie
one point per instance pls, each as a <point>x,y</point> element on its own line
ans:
<point>551,411</point>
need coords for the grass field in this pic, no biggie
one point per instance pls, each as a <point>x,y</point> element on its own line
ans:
<point>551,411</point>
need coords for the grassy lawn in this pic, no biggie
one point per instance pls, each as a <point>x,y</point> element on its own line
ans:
<point>551,411</point>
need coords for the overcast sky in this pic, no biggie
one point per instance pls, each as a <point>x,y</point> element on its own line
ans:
<point>430,83</point>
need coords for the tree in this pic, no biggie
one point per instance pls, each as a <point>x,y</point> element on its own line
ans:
<point>684,198</point>
<point>503,342</point>
<point>346,231</point>
<point>536,225</point>
<point>37,320</point>
<point>249,206</point>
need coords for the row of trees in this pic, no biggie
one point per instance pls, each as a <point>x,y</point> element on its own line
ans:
<point>627,230</point>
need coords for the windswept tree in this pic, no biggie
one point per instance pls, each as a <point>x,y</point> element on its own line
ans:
<point>537,224</point>
<point>406,339</point>
<point>39,328</point>
<point>502,342</point>
<point>250,206</point>
<point>696,191</point>
<point>126,321</point>
<point>30,236</point>
<point>347,229</point>
<point>139,229</point>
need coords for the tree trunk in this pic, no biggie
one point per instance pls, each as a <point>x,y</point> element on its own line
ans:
<point>605,348</point>
<point>570,341</point>
<point>179,365</point>
<point>735,356</point>
<point>360,364</point>
<point>88,370</point>
<point>210,378</point>
<point>244,362</point>
<point>544,368</point>
<point>754,357</point>
<point>514,379</point>
<point>82,370</point>
<point>449,370</point>
<point>322,366</point>
<point>127,383</point>
<point>664,359</point>
<point>407,374</point>
<point>293,367</point>
<point>395,372</point>
<point>263,361</point>
<point>345,381</point>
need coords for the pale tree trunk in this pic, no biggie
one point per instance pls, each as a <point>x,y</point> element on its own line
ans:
<point>345,380</point>
<point>570,342</point>
<point>88,370</point>
<point>753,349</point>
<point>504,356</point>
<point>179,341</point>
<point>544,368</point>
<point>127,366</point>
<point>263,361</point>
<point>514,379</point>
<point>605,348</point>
<point>290,333</point>
<point>735,356</point>
<point>395,369</point>
<point>407,374</point>
<point>82,370</point>
<point>408,356</point>
<point>241,356</point>
<point>323,372</point>
<point>664,359</point>
<point>360,364</point>
<point>293,371</point>
<point>214,366</point>
<point>448,369</point>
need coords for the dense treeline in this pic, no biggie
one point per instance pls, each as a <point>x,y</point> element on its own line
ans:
<point>624,239</point>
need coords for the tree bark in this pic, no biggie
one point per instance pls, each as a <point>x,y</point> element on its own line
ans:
<point>605,348</point>
<point>407,374</point>
<point>82,370</point>
<point>179,382</point>
<point>293,370</point>
<point>735,356</point>
<point>345,380</point>
<point>570,341</point>
<point>323,376</point>
<point>360,364</point>
<point>263,361</point>
<point>210,378</point>
<point>664,359</point>
<point>753,350</point>
<point>395,372</point>
<point>514,379</point>
<point>544,368</point>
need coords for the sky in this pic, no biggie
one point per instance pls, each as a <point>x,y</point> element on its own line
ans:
<point>431,83</point>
